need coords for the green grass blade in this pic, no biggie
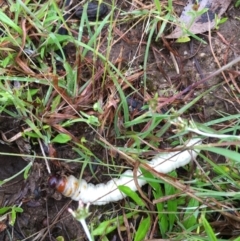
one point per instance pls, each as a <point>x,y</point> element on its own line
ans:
<point>210,233</point>
<point>143,229</point>
<point>232,155</point>
<point>5,19</point>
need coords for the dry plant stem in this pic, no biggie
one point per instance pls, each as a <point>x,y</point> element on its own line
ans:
<point>216,60</point>
<point>211,203</point>
<point>44,157</point>
<point>194,85</point>
<point>43,233</point>
<point>187,190</point>
<point>101,194</point>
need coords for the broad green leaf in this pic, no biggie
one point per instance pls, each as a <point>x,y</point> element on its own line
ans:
<point>60,238</point>
<point>151,180</point>
<point>31,134</point>
<point>237,3</point>
<point>191,214</point>
<point>142,229</point>
<point>171,204</point>
<point>183,39</point>
<point>104,238</point>
<point>162,216</point>
<point>61,138</point>
<point>18,209</point>
<point>14,212</point>
<point>110,225</point>
<point>5,209</point>
<point>133,195</point>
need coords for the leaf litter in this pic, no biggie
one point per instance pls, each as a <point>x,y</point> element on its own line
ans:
<point>199,17</point>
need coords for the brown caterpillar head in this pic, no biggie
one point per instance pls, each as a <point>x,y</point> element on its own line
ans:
<point>57,183</point>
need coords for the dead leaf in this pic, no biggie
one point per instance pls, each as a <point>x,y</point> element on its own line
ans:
<point>3,226</point>
<point>192,22</point>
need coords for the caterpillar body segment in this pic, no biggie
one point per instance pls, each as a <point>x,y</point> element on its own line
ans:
<point>104,193</point>
<point>167,162</point>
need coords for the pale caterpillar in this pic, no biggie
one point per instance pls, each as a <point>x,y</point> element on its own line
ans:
<point>103,193</point>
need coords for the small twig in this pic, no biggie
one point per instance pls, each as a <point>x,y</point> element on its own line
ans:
<point>44,156</point>
<point>202,81</point>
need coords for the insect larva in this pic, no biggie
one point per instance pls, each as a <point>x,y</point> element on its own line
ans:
<point>101,194</point>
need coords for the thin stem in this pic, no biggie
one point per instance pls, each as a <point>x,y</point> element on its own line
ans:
<point>85,227</point>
